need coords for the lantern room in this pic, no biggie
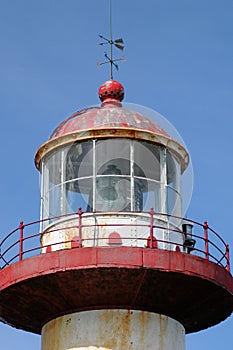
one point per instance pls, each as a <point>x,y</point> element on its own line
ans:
<point>115,164</point>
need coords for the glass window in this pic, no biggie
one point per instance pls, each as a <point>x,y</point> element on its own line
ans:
<point>55,201</point>
<point>113,152</point>
<point>79,195</point>
<point>79,160</point>
<point>173,171</point>
<point>147,160</point>
<point>151,196</point>
<point>113,193</point>
<point>53,164</point>
<point>113,184</point>
<point>173,202</point>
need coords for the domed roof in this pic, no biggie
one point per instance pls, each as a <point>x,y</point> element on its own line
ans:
<point>109,120</point>
<point>109,114</point>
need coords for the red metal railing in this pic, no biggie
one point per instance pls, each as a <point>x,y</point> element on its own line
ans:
<point>24,241</point>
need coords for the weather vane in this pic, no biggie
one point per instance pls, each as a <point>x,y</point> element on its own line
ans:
<point>118,43</point>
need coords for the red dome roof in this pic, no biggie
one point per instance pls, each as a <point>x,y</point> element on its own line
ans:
<point>109,114</point>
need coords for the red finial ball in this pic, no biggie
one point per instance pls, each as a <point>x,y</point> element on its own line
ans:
<point>111,91</point>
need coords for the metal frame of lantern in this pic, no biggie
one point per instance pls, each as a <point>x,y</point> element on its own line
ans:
<point>161,185</point>
<point>162,174</point>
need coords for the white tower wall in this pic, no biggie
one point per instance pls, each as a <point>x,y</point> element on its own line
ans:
<point>113,330</point>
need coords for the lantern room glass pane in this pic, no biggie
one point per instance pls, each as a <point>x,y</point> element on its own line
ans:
<point>79,160</point>
<point>79,195</point>
<point>113,193</point>
<point>112,175</point>
<point>173,171</point>
<point>147,160</point>
<point>55,201</point>
<point>151,196</point>
<point>115,152</point>
<point>53,164</point>
<point>173,202</point>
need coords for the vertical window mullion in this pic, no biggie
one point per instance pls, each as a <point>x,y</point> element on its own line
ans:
<point>163,179</point>
<point>132,175</point>
<point>179,189</point>
<point>94,176</point>
<point>62,179</point>
<point>47,190</point>
<point>42,196</point>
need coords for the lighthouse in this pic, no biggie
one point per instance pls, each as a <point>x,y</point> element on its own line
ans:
<point>112,264</point>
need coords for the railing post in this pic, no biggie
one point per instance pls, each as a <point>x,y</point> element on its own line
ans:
<point>205,226</point>
<point>21,227</point>
<point>151,227</point>
<point>80,226</point>
<point>227,258</point>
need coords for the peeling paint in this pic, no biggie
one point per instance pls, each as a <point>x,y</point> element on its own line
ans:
<point>132,228</point>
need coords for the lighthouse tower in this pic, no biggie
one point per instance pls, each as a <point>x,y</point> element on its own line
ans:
<point>113,266</point>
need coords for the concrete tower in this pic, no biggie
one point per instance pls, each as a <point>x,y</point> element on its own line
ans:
<point>113,265</point>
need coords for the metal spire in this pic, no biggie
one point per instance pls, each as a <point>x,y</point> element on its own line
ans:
<point>111,42</point>
<point>118,43</point>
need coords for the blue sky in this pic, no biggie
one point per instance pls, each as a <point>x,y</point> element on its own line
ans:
<point>179,61</point>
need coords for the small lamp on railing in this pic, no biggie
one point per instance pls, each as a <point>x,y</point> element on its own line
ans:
<point>189,241</point>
